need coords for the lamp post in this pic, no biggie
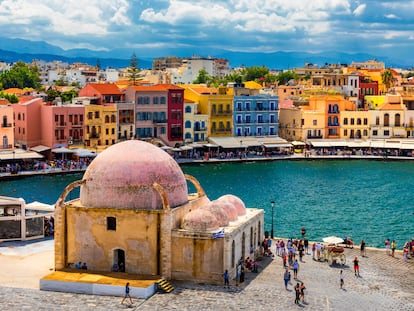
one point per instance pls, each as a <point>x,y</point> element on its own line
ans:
<point>272,203</point>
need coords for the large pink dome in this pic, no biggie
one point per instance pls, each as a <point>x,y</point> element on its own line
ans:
<point>236,201</point>
<point>200,220</point>
<point>123,175</point>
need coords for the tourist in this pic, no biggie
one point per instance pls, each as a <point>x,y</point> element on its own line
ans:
<point>115,267</point>
<point>306,244</point>
<point>405,251</point>
<point>387,246</point>
<point>226,279</point>
<point>318,250</point>
<point>341,280</point>
<point>286,278</point>
<point>356,266</point>
<point>127,295</point>
<point>313,250</point>
<point>303,232</point>
<point>302,291</point>
<point>78,265</point>
<point>301,249</point>
<point>295,269</point>
<point>84,266</point>
<point>393,247</point>
<point>362,248</point>
<point>284,259</point>
<point>297,293</point>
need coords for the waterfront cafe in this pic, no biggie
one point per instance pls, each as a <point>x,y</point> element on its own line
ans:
<point>9,158</point>
<point>253,145</point>
<point>21,221</point>
<point>381,147</point>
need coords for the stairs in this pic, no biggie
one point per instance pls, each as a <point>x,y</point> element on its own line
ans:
<point>165,286</point>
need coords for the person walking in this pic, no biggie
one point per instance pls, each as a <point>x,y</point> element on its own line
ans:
<point>393,247</point>
<point>302,292</point>
<point>362,248</point>
<point>127,295</point>
<point>356,266</point>
<point>226,278</point>
<point>295,269</point>
<point>341,280</point>
<point>286,278</point>
<point>387,246</point>
<point>297,293</point>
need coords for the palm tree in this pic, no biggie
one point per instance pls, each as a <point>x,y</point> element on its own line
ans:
<point>387,78</point>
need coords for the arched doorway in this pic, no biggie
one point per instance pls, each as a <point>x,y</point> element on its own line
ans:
<point>119,259</point>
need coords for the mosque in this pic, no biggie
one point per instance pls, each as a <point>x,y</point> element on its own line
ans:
<point>135,212</point>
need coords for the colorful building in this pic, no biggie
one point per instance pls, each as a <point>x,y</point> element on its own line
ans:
<point>159,112</point>
<point>27,120</point>
<point>102,93</point>
<point>195,123</point>
<point>100,126</point>
<point>7,125</point>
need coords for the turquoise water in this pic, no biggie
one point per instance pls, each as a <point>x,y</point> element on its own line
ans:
<point>370,200</point>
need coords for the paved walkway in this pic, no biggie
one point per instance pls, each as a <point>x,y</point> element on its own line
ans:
<point>386,283</point>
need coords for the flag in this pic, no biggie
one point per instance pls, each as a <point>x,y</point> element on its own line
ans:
<point>219,234</point>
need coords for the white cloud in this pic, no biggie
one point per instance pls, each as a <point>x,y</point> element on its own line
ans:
<point>360,10</point>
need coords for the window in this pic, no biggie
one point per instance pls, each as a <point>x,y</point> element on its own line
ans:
<point>352,121</point>
<point>314,122</point>
<point>345,121</point>
<point>359,121</point>
<point>345,132</point>
<point>397,120</point>
<point>377,120</point>
<point>386,119</point>
<point>365,121</point>
<point>187,109</point>
<point>162,100</point>
<point>96,114</point>
<point>386,133</point>
<point>374,133</point>
<point>187,124</point>
<point>155,100</point>
<point>111,223</point>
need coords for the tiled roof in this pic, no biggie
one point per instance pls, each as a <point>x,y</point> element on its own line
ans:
<point>106,88</point>
<point>4,101</point>
<point>389,106</point>
<point>15,91</point>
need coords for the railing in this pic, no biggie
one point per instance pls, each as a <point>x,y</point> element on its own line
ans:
<point>221,131</point>
<point>60,124</point>
<point>222,113</point>
<point>160,121</point>
<point>314,136</point>
<point>6,125</point>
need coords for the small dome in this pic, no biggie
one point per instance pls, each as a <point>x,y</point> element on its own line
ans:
<point>218,212</point>
<point>199,220</point>
<point>228,208</point>
<point>123,175</point>
<point>237,203</point>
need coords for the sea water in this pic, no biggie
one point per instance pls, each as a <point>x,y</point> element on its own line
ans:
<point>370,200</point>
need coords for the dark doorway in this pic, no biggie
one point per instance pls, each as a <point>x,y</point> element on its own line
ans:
<point>119,259</point>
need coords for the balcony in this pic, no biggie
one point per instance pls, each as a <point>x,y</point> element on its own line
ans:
<point>6,125</point>
<point>222,113</point>
<point>160,121</point>
<point>221,131</point>
<point>201,129</point>
<point>314,136</point>
<point>94,135</point>
<point>79,124</point>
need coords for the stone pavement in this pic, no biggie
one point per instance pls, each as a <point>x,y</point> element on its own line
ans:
<point>385,283</point>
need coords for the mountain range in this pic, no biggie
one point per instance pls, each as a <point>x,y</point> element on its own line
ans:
<point>12,50</point>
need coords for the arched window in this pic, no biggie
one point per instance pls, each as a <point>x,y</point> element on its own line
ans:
<point>187,135</point>
<point>336,121</point>
<point>386,119</point>
<point>335,108</point>
<point>397,119</point>
<point>243,246</point>
<point>187,109</point>
<point>113,119</point>
<point>187,124</point>
<point>106,119</point>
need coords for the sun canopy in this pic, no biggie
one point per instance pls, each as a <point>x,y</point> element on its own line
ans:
<point>63,150</point>
<point>333,240</point>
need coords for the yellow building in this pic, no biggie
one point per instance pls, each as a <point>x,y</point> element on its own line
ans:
<point>100,126</point>
<point>7,125</point>
<point>355,124</point>
<point>135,212</point>
<point>374,101</point>
<point>217,104</point>
<point>195,123</point>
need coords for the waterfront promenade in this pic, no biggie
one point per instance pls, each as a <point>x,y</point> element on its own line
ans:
<point>386,283</point>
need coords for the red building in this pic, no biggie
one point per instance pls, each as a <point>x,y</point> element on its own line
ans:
<point>102,93</point>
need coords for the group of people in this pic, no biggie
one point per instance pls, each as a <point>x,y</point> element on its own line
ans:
<point>81,266</point>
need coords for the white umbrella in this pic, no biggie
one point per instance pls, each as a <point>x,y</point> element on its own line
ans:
<point>166,147</point>
<point>333,240</point>
<point>185,148</point>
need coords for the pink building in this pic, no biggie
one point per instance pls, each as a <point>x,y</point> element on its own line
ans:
<point>62,125</point>
<point>102,93</point>
<point>158,111</point>
<point>6,128</point>
<point>27,120</point>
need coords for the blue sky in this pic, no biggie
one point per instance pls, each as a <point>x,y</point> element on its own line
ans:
<point>157,28</point>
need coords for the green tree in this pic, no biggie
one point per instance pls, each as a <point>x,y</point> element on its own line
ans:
<point>387,78</point>
<point>133,70</point>
<point>21,75</point>
<point>254,73</point>
<point>67,96</point>
<point>52,94</point>
<point>13,99</point>
<point>203,77</point>
<point>284,77</point>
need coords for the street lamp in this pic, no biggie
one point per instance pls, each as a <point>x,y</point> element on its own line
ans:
<point>272,203</point>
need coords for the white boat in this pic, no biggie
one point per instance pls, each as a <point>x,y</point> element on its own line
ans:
<point>21,221</point>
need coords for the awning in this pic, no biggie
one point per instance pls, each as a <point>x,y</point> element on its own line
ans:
<point>277,145</point>
<point>40,148</point>
<point>63,150</point>
<point>407,146</point>
<point>297,143</point>
<point>38,206</point>
<point>20,155</point>
<point>84,153</point>
<point>321,144</point>
<point>377,144</point>
<point>392,145</point>
<point>358,144</point>
<point>186,148</point>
